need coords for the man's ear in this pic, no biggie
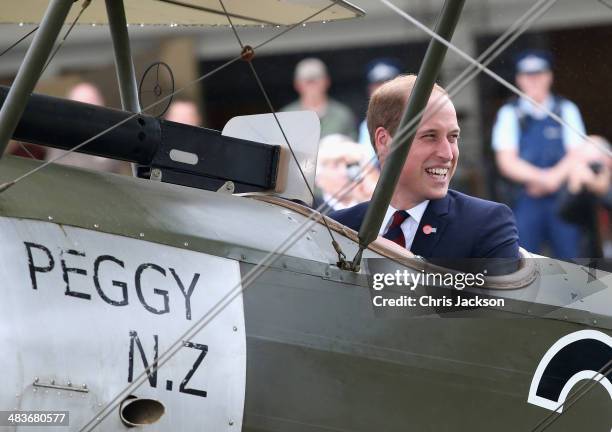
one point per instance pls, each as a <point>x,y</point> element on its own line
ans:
<point>382,142</point>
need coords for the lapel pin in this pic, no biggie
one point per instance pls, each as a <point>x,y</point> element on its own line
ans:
<point>428,229</point>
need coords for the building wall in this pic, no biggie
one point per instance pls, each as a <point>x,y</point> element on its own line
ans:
<point>88,51</point>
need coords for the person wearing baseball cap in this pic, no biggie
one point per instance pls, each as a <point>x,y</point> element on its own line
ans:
<point>311,81</point>
<point>378,72</point>
<point>532,150</point>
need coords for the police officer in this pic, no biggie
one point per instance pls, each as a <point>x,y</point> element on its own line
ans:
<point>533,150</point>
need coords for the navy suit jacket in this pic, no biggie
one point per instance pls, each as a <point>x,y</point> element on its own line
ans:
<point>466,227</point>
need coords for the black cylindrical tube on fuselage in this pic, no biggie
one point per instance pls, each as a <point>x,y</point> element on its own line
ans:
<point>65,124</point>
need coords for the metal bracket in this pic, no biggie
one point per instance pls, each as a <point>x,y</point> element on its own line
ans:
<point>355,264</point>
<point>68,386</point>
<point>156,174</point>
<point>228,188</point>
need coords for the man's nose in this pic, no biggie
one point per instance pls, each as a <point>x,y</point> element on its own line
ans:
<point>444,149</point>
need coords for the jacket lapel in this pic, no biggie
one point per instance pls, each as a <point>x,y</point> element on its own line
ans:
<point>436,216</point>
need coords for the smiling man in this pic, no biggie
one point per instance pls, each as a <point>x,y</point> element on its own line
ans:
<point>425,216</point>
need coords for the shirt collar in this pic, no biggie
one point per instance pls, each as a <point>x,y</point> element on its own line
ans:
<point>415,213</point>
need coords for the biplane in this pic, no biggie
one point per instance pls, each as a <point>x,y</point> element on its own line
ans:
<point>204,294</point>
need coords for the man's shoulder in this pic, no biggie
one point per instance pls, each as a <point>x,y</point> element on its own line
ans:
<point>352,216</point>
<point>507,114</point>
<point>461,205</point>
<point>490,226</point>
<point>476,228</point>
<point>509,108</point>
<point>338,107</point>
<point>475,208</point>
<point>357,209</point>
<point>470,201</point>
<point>565,103</point>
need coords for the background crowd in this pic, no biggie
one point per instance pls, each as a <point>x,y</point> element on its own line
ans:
<point>557,183</point>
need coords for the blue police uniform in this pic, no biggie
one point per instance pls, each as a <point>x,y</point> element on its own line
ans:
<point>541,144</point>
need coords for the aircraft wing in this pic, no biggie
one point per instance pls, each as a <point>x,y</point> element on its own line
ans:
<point>192,12</point>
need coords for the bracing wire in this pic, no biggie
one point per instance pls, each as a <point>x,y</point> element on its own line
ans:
<point>587,386</point>
<point>245,281</point>
<point>27,150</point>
<point>257,270</point>
<point>84,6</point>
<point>605,3</point>
<point>7,185</point>
<point>21,39</point>
<point>493,75</point>
<point>235,291</point>
<point>6,50</point>
<point>11,183</point>
<point>336,245</point>
<point>249,277</point>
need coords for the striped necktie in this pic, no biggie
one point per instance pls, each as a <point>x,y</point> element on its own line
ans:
<point>395,233</point>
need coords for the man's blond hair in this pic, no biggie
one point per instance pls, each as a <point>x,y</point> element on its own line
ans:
<point>388,102</point>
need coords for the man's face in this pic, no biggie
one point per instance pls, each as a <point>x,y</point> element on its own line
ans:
<point>314,87</point>
<point>86,93</point>
<point>434,153</point>
<point>333,174</point>
<point>184,112</point>
<point>535,85</point>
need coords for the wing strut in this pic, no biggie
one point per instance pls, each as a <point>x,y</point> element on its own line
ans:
<point>128,90</point>
<point>31,68</point>
<point>430,68</point>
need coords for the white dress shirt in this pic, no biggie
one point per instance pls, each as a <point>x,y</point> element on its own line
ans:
<point>410,225</point>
